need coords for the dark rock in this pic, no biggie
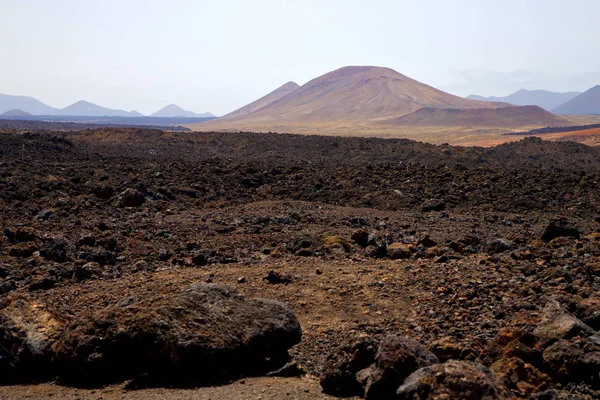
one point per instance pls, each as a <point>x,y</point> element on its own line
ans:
<point>433,205</point>
<point>339,374</point>
<point>560,228</point>
<point>500,246</point>
<point>18,235</point>
<point>7,287</point>
<point>88,271</point>
<point>130,198</point>
<point>360,237</point>
<point>104,192</point>
<point>57,249</point>
<point>574,360</point>
<point>203,334</point>
<point>199,259</point>
<point>44,283</point>
<point>397,357</point>
<point>456,380</point>
<point>44,215</point>
<point>164,255</point>
<point>87,240</point>
<point>275,277</point>
<point>98,255</point>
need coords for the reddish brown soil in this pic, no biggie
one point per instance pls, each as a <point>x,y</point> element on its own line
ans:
<point>289,203</point>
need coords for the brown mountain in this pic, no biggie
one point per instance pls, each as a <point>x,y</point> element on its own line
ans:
<point>264,101</point>
<point>504,117</point>
<point>353,99</point>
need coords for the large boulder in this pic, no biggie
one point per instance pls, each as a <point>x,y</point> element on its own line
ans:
<point>557,323</point>
<point>342,365</point>
<point>203,334</point>
<point>575,360</point>
<point>397,357</point>
<point>456,380</point>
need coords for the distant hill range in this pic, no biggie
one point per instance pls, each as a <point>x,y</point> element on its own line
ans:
<point>542,98</point>
<point>174,111</point>
<point>82,108</point>
<point>367,99</point>
<point>586,103</point>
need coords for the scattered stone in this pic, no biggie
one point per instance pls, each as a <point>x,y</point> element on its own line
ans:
<point>397,251</point>
<point>44,283</point>
<point>360,237</point>
<point>560,228</point>
<point>57,249</point>
<point>7,287</point>
<point>130,198</point>
<point>557,324</point>
<point>500,246</point>
<point>274,277</point>
<point>22,249</point>
<point>433,205</point>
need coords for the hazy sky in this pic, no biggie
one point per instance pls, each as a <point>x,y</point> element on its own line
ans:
<point>221,54</point>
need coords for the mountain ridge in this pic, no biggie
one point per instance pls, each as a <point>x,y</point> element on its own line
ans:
<point>523,97</point>
<point>587,102</point>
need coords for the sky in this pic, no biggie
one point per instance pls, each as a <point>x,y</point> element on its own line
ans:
<point>219,55</point>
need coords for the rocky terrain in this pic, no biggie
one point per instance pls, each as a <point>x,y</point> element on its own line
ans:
<point>148,264</point>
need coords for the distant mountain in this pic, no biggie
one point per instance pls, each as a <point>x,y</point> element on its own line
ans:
<point>24,103</point>
<point>366,98</point>
<point>543,98</point>
<point>264,101</point>
<point>86,109</point>
<point>15,113</point>
<point>586,103</point>
<point>174,111</point>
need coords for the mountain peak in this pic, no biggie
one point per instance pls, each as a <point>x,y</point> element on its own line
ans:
<point>174,111</point>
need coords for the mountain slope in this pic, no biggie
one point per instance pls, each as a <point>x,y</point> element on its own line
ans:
<point>505,117</point>
<point>15,113</point>
<point>264,101</point>
<point>86,109</point>
<point>346,96</point>
<point>543,98</point>
<point>586,103</point>
<point>172,111</point>
<point>24,103</point>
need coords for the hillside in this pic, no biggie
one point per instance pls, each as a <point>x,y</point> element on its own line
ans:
<point>174,111</point>
<point>586,103</point>
<point>264,101</point>
<point>543,98</point>
<point>24,103</point>
<point>506,117</point>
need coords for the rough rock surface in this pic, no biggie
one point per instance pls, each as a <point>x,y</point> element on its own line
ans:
<point>206,332</point>
<point>456,380</point>
<point>396,358</point>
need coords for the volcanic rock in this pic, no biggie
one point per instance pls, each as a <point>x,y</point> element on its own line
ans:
<point>396,358</point>
<point>339,374</point>
<point>456,380</point>
<point>204,333</point>
<point>560,228</point>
